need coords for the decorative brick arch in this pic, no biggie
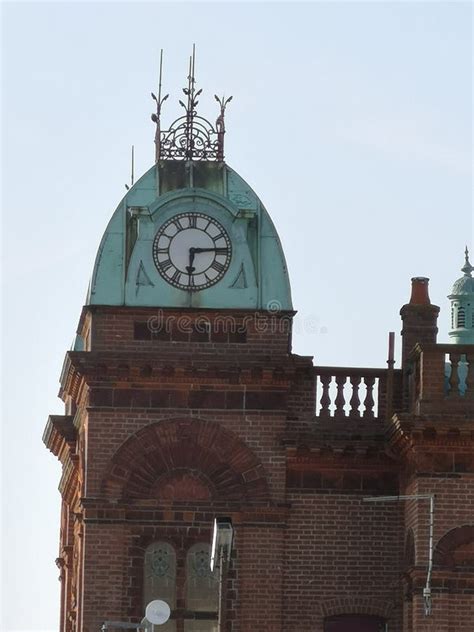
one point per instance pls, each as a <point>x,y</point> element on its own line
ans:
<point>356,605</point>
<point>456,548</point>
<point>194,459</point>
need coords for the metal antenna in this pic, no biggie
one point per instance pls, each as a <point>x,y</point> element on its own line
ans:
<point>191,106</point>
<point>161,75</point>
<point>132,179</point>
<point>156,117</point>
<point>191,77</point>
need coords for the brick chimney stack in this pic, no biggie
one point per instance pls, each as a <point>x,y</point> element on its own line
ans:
<point>419,317</point>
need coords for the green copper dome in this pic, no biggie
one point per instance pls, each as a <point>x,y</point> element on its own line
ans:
<point>464,285</point>
<point>462,306</point>
<point>215,219</point>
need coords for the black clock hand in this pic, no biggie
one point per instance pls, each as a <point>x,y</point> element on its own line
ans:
<point>190,268</point>
<point>198,250</point>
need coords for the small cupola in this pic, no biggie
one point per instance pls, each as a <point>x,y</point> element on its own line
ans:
<point>462,306</point>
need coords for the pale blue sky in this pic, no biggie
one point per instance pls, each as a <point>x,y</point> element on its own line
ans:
<point>352,121</point>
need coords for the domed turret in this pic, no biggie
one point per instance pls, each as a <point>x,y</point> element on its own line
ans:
<point>462,306</point>
<point>191,233</point>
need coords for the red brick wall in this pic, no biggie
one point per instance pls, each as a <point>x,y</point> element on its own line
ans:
<point>105,577</point>
<point>454,507</point>
<point>342,556</point>
<point>181,426</point>
<point>114,328</point>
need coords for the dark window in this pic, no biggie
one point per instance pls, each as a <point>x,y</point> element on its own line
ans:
<point>200,332</point>
<point>150,331</point>
<point>141,331</point>
<point>239,336</point>
<point>189,332</point>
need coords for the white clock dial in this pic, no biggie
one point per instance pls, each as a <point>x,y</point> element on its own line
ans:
<point>192,251</point>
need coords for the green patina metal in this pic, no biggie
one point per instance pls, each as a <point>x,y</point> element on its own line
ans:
<point>462,322</point>
<point>462,306</point>
<point>125,273</point>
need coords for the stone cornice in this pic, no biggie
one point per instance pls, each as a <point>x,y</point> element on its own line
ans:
<point>434,444</point>
<point>434,430</point>
<point>60,435</point>
<point>152,369</point>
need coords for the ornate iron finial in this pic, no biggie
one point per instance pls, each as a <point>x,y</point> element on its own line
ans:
<point>190,137</point>
<point>467,267</point>
<point>220,124</point>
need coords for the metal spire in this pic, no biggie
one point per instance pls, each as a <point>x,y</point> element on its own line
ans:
<point>190,137</point>
<point>467,267</point>
<point>132,179</point>
<point>156,117</point>
<point>190,108</point>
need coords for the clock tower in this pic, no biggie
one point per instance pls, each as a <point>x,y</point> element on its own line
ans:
<point>177,393</point>
<point>349,489</point>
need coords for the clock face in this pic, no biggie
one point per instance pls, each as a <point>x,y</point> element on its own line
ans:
<point>192,251</point>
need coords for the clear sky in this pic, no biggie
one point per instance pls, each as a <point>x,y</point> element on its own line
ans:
<point>352,121</point>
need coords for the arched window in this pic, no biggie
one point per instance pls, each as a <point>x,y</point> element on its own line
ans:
<point>461,317</point>
<point>455,550</point>
<point>159,581</point>
<point>354,623</point>
<point>196,586</point>
<point>202,591</point>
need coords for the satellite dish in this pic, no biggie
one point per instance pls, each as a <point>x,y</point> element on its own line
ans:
<point>157,612</point>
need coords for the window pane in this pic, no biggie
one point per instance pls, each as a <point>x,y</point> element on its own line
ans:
<point>202,587</point>
<point>159,580</point>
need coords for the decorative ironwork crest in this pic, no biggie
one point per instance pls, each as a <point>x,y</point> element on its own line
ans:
<point>190,137</point>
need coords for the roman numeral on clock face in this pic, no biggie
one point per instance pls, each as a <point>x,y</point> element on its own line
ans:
<point>216,265</point>
<point>166,265</point>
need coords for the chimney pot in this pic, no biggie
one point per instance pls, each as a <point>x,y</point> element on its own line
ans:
<point>419,291</point>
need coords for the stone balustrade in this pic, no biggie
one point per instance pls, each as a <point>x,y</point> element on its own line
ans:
<point>440,378</point>
<point>356,393</point>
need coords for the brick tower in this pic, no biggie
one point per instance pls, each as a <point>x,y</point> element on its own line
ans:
<point>184,403</point>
